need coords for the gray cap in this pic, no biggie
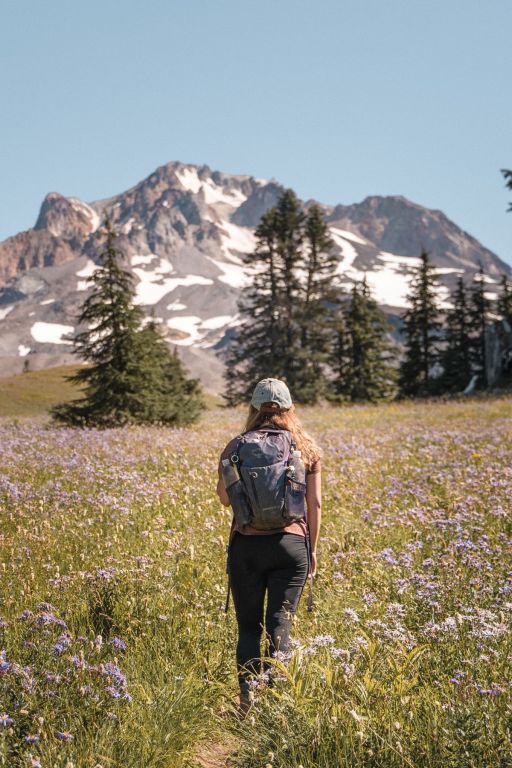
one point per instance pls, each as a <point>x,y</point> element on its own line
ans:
<point>271,391</point>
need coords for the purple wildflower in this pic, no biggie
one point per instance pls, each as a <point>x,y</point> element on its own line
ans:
<point>5,720</point>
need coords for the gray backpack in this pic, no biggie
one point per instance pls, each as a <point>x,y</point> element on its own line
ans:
<point>267,484</point>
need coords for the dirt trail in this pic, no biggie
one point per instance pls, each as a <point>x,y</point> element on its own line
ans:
<point>215,754</point>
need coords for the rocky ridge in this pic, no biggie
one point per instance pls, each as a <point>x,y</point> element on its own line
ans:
<point>183,231</point>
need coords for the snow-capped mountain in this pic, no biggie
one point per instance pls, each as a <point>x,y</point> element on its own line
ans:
<point>183,231</point>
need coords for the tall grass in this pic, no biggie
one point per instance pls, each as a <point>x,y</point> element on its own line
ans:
<point>115,647</point>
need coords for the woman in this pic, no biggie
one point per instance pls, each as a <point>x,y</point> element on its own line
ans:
<point>276,562</point>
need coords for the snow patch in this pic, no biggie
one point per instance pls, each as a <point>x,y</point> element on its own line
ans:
<point>232,274</point>
<point>88,270</point>
<point>128,225</point>
<point>23,350</point>
<point>348,235</point>
<point>389,287</point>
<point>215,194</point>
<point>50,333</point>
<point>139,259</point>
<point>147,291</point>
<point>91,214</point>
<point>348,251</point>
<point>189,179</point>
<point>235,238</point>
<point>392,258</point>
<point>4,311</point>
<point>447,270</point>
<point>47,301</point>
<point>213,323</point>
<point>175,306</point>
<point>185,324</point>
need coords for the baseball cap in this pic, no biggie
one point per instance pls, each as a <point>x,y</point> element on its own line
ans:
<point>271,391</point>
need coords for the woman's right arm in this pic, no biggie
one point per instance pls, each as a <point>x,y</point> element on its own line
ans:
<point>221,491</point>
<point>314,507</point>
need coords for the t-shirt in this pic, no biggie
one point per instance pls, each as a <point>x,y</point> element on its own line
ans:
<point>299,526</point>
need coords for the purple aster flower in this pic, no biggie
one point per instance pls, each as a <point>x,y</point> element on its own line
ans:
<point>5,720</point>
<point>63,735</point>
<point>119,644</point>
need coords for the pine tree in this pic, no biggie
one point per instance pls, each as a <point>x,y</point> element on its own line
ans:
<point>507,174</point>
<point>505,298</point>
<point>132,376</point>
<point>370,371</point>
<point>282,332</point>
<point>456,357</point>
<point>479,314</point>
<point>339,358</point>
<point>421,328</point>
<point>257,346</point>
<point>321,294</point>
<point>167,396</point>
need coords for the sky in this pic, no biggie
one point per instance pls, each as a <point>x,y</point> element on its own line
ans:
<point>338,99</point>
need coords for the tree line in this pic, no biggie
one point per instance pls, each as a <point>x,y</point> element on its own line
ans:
<point>297,322</point>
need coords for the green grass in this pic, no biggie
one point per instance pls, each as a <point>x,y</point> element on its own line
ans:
<point>32,394</point>
<point>405,661</point>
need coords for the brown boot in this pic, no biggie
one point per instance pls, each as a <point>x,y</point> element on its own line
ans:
<point>246,702</point>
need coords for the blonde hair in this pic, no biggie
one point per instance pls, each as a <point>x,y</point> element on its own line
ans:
<point>287,418</point>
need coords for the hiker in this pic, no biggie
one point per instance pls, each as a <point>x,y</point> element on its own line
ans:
<point>275,526</point>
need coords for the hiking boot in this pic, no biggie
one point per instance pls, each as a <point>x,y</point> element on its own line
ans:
<point>246,702</point>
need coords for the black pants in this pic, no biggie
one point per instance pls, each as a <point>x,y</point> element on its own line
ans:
<point>277,564</point>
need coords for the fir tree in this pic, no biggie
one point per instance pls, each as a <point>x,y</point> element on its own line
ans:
<point>370,373</point>
<point>321,293</point>
<point>456,357</point>
<point>132,376</point>
<point>479,314</point>
<point>421,328</point>
<point>257,346</point>
<point>339,359</point>
<point>505,298</point>
<point>282,332</point>
<point>507,174</point>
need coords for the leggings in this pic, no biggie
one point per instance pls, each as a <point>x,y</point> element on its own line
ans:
<point>278,564</point>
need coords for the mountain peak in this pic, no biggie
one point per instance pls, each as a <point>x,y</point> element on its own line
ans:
<point>66,217</point>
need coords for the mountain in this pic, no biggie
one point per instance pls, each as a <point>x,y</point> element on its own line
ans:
<point>183,230</point>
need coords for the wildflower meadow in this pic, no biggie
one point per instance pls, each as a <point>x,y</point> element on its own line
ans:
<point>116,652</point>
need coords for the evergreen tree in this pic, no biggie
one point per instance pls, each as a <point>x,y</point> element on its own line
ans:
<point>456,357</point>
<point>321,294</point>
<point>479,314</point>
<point>508,176</point>
<point>421,328</point>
<point>257,346</point>
<point>167,395</point>
<point>505,298</point>
<point>132,376</point>
<point>282,332</point>
<point>370,374</point>
<point>339,358</point>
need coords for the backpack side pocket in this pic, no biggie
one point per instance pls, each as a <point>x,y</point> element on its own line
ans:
<point>239,503</point>
<point>295,499</point>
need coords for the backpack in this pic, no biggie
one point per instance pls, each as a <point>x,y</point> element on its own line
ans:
<point>270,489</point>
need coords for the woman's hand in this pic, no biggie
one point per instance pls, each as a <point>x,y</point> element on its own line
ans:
<point>313,564</point>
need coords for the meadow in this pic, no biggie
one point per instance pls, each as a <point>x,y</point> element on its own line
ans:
<point>115,651</point>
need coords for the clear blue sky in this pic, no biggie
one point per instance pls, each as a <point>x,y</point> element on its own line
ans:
<point>338,99</point>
